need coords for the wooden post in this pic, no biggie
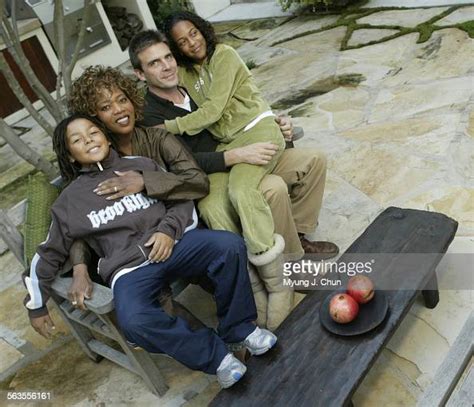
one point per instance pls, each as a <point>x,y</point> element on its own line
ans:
<point>431,293</point>
<point>81,333</point>
<point>141,361</point>
<point>11,236</point>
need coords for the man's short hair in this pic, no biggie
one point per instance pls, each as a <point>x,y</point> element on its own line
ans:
<point>142,41</point>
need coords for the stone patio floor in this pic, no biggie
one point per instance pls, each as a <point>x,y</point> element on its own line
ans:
<point>396,120</point>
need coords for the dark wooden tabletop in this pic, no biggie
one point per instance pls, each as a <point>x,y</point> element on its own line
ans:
<point>312,367</point>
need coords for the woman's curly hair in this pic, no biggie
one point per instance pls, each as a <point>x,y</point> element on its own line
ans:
<point>204,26</point>
<point>87,88</point>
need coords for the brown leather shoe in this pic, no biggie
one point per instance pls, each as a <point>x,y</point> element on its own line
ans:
<point>319,250</point>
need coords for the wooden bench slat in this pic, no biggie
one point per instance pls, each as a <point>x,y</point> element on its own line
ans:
<point>67,307</point>
<point>17,213</point>
<point>14,216</point>
<point>452,367</point>
<point>312,367</point>
<point>77,315</point>
<point>10,235</point>
<point>111,354</point>
<point>87,319</point>
<point>98,325</point>
<point>102,297</point>
<point>464,396</point>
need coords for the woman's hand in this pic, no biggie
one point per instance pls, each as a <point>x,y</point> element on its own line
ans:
<point>162,247</point>
<point>43,325</point>
<point>125,183</point>
<point>81,286</point>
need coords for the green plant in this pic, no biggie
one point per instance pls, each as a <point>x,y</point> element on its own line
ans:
<point>160,9</point>
<point>467,26</point>
<point>251,63</point>
<point>316,4</point>
<point>348,18</point>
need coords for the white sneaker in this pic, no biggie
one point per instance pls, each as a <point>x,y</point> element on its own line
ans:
<point>260,341</point>
<point>230,371</point>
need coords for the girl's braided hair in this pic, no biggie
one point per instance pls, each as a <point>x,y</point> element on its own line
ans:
<point>70,170</point>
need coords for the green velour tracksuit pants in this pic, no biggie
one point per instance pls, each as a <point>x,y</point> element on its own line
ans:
<point>239,189</point>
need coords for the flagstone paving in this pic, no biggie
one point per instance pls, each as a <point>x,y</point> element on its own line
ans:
<point>363,36</point>
<point>458,16</point>
<point>406,18</point>
<point>396,120</point>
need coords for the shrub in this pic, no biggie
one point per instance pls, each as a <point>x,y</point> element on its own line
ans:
<point>160,9</point>
<point>316,4</point>
<point>251,63</point>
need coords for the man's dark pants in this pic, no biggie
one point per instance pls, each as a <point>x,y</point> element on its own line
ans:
<point>219,255</point>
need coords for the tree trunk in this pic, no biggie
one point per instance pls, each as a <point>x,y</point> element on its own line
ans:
<point>67,75</point>
<point>18,91</point>
<point>26,152</point>
<point>58,20</point>
<point>14,47</point>
<point>57,108</point>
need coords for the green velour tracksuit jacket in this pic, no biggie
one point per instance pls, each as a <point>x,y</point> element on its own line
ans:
<point>226,94</point>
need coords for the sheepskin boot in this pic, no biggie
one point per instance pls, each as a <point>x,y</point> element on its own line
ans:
<point>270,270</point>
<point>260,295</point>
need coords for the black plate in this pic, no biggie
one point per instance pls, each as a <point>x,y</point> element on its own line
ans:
<point>370,316</point>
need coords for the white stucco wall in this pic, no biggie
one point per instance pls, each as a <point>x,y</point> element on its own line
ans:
<point>206,8</point>
<point>112,54</point>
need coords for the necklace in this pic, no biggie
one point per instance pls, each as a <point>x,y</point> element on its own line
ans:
<point>181,96</point>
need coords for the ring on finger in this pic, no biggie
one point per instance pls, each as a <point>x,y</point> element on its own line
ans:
<point>74,302</point>
<point>115,188</point>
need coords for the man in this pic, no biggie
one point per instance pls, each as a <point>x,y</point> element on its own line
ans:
<point>293,191</point>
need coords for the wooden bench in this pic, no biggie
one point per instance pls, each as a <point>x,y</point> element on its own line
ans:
<point>99,317</point>
<point>444,389</point>
<point>312,367</point>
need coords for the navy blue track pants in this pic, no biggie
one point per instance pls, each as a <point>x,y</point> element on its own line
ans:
<point>220,255</point>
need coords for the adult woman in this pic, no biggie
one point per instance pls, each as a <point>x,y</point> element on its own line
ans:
<point>114,98</point>
<point>144,243</point>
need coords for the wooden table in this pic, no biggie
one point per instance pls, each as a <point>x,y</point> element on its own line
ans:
<point>312,367</point>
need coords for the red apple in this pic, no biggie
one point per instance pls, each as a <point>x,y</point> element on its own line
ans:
<point>361,288</point>
<point>343,308</point>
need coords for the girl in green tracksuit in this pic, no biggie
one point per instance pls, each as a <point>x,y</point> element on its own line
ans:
<point>232,108</point>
